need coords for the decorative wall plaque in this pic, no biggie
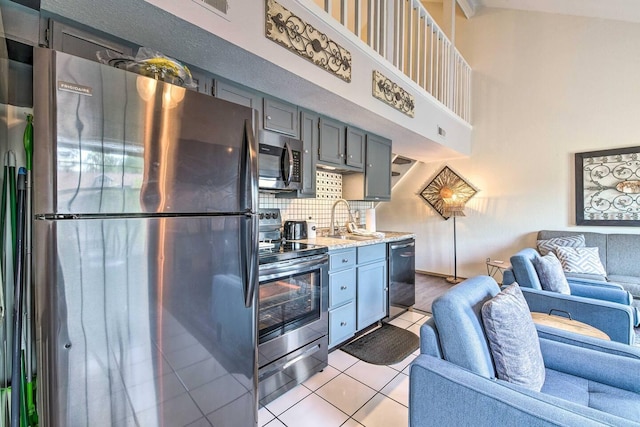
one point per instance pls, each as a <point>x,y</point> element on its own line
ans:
<point>450,183</point>
<point>389,92</point>
<point>288,30</point>
<point>608,187</point>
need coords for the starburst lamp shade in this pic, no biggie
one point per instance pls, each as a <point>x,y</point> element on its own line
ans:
<point>448,188</point>
<point>447,193</point>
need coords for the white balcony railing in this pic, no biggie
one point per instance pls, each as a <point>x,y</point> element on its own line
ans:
<point>404,33</point>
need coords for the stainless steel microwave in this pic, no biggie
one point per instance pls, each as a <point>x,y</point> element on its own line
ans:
<point>279,162</point>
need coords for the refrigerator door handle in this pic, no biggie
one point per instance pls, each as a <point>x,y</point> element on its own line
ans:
<point>249,239</point>
<point>249,173</point>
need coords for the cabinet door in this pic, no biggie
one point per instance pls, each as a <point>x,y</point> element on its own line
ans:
<point>342,324</point>
<point>377,176</point>
<point>73,41</point>
<point>371,297</point>
<point>281,117</point>
<point>203,81</point>
<point>331,145</point>
<point>355,147</point>
<point>309,136</point>
<point>237,95</point>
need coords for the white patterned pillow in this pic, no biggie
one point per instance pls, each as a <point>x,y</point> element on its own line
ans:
<point>549,245</point>
<point>580,260</point>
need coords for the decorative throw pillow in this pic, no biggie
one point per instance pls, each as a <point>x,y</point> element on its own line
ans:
<point>513,339</point>
<point>548,245</point>
<point>580,260</point>
<point>550,273</point>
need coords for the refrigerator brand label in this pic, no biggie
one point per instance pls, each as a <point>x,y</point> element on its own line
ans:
<point>75,88</point>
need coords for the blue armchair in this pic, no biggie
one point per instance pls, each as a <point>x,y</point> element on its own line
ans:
<point>453,381</point>
<point>603,305</point>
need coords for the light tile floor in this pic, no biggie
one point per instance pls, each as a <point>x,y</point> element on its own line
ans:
<point>349,392</point>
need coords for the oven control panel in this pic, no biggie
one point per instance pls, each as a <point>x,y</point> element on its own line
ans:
<point>270,222</point>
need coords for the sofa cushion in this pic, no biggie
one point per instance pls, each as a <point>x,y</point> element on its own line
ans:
<point>513,339</point>
<point>616,401</point>
<point>591,240</point>
<point>549,245</point>
<point>550,273</point>
<point>580,260</point>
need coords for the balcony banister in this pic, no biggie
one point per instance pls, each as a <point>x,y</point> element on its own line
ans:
<point>418,47</point>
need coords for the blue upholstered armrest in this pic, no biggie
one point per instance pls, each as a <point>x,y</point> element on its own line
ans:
<point>443,394</point>
<point>615,320</point>
<point>611,347</point>
<point>612,369</point>
<point>595,283</point>
<point>602,293</point>
<point>508,277</point>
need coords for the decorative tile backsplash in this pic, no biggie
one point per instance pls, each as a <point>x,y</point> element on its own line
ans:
<point>328,190</point>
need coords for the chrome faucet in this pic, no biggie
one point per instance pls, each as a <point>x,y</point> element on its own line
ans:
<point>332,227</point>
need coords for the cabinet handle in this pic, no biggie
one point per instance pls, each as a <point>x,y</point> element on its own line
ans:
<point>343,288</point>
<point>306,151</point>
<point>342,156</point>
<point>343,323</point>
<point>351,156</point>
<point>345,260</point>
<point>268,117</point>
<point>370,165</point>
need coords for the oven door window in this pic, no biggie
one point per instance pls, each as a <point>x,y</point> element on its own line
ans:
<point>287,303</point>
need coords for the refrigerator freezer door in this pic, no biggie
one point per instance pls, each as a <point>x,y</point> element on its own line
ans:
<point>143,322</point>
<point>118,142</point>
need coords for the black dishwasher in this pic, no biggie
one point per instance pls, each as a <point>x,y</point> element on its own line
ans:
<point>402,276</point>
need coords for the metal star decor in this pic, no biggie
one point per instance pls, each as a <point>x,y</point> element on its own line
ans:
<point>447,183</point>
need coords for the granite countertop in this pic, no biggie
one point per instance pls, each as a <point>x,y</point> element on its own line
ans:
<point>334,243</point>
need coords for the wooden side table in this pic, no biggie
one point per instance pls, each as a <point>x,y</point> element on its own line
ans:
<point>495,266</point>
<point>566,324</point>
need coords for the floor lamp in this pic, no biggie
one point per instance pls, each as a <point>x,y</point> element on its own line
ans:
<point>453,207</point>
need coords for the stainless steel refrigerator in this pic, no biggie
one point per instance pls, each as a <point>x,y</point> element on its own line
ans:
<point>145,250</point>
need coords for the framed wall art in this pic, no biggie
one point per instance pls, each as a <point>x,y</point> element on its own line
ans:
<point>608,187</point>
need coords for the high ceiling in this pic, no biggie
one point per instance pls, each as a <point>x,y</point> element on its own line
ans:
<point>620,10</point>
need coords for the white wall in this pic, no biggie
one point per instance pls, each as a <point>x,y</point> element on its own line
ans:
<point>545,87</point>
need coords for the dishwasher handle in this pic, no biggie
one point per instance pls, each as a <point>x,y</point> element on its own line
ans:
<point>403,245</point>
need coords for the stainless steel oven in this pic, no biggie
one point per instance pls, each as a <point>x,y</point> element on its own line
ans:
<point>293,323</point>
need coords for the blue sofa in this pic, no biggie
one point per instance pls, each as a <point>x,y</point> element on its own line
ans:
<point>619,253</point>
<point>603,305</point>
<point>453,381</point>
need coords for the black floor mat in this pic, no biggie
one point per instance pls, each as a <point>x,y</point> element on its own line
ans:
<point>384,346</point>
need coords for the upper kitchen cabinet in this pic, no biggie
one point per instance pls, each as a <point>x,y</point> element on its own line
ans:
<point>355,147</point>
<point>281,117</point>
<point>67,39</point>
<point>239,95</point>
<point>204,81</point>
<point>331,145</point>
<point>375,183</point>
<point>341,146</point>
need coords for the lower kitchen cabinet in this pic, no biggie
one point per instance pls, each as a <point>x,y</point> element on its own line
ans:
<point>342,295</point>
<point>357,290</point>
<point>342,323</point>
<point>371,278</point>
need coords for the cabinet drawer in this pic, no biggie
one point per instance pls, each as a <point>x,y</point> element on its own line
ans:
<point>342,287</point>
<point>370,253</point>
<point>342,259</point>
<point>342,323</point>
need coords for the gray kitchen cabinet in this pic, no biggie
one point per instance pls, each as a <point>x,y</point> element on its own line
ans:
<point>375,183</point>
<point>342,295</point>
<point>240,95</point>
<point>281,117</point>
<point>331,149</point>
<point>204,81</point>
<point>355,143</point>
<point>65,38</point>
<point>371,278</point>
<point>341,146</point>
<point>309,137</point>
